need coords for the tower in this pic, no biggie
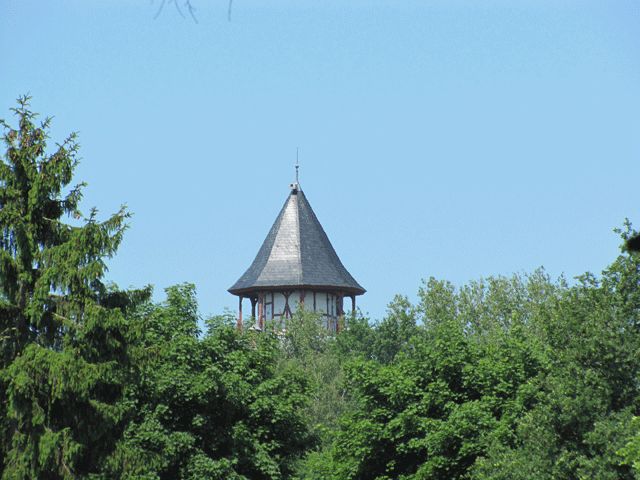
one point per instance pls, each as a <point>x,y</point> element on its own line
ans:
<point>296,266</point>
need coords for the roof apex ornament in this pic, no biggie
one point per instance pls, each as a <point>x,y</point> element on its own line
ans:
<point>296,186</point>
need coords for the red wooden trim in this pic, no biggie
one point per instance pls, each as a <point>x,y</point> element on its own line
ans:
<point>269,301</point>
<point>287,308</point>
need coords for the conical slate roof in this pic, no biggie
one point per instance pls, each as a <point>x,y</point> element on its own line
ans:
<point>297,253</point>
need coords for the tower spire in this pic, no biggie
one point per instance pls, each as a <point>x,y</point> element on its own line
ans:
<point>296,186</point>
<point>297,163</point>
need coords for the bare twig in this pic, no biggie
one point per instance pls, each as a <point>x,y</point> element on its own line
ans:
<point>187,5</point>
<point>175,2</point>
<point>159,9</point>
<point>191,10</point>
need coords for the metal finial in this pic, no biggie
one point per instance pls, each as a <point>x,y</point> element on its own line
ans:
<point>297,163</point>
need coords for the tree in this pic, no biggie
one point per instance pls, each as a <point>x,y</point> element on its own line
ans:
<point>394,332</point>
<point>505,378</point>
<point>49,269</point>
<point>214,407</point>
<point>101,383</point>
<point>64,335</point>
<point>308,346</point>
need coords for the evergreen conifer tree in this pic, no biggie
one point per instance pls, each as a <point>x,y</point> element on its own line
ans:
<point>63,345</point>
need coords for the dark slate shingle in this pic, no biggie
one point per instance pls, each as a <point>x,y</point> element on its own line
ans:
<point>297,253</point>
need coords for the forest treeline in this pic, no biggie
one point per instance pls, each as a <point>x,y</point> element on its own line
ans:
<point>503,378</point>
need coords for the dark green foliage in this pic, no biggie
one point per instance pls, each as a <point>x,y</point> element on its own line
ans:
<point>307,345</point>
<point>63,353</point>
<point>501,379</point>
<point>633,244</point>
<point>631,450</point>
<point>211,407</point>
<point>96,382</point>
<point>395,331</point>
<point>48,268</point>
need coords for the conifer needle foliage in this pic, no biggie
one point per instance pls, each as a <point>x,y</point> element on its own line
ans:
<point>61,343</point>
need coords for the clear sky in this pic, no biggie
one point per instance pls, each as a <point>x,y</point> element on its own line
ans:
<point>447,138</point>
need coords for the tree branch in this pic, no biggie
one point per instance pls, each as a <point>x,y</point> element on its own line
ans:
<point>159,9</point>
<point>187,4</point>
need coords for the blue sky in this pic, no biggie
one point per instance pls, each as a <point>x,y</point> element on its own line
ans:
<point>447,138</point>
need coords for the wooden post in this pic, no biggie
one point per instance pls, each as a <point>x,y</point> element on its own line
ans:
<point>302,294</point>
<point>339,311</point>
<point>287,307</point>
<point>353,305</point>
<point>261,311</point>
<point>239,325</point>
<point>253,307</point>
